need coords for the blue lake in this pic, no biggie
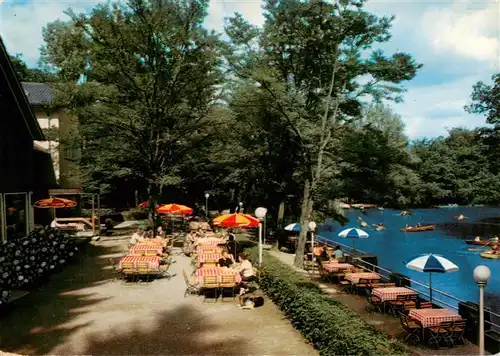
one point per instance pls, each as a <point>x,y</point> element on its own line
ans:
<point>393,247</point>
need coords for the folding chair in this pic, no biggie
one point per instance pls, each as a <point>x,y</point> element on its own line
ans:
<point>144,270</point>
<point>210,283</point>
<point>191,285</point>
<point>228,283</point>
<point>128,271</point>
<point>440,334</point>
<point>457,332</point>
<point>411,327</point>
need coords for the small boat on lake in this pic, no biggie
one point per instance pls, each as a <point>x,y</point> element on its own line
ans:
<point>419,228</point>
<point>476,242</point>
<point>490,255</point>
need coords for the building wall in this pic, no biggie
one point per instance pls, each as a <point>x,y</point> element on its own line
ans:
<point>65,159</point>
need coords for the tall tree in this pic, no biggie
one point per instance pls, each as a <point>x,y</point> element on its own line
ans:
<point>152,76</point>
<point>486,100</point>
<point>34,75</point>
<point>308,57</point>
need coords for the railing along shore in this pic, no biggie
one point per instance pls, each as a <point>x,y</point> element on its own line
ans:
<point>386,275</point>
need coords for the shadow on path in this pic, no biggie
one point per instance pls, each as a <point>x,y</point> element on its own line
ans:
<point>40,321</point>
<point>182,331</point>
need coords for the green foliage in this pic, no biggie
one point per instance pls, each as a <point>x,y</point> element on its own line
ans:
<point>486,100</point>
<point>331,327</point>
<point>34,75</point>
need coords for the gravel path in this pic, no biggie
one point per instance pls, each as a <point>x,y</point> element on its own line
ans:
<point>83,311</point>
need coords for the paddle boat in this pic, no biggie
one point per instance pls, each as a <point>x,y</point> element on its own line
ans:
<point>379,227</point>
<point>475,242</point>
<point>419,228</point>
<point>461,217</point>
<point>405,213</point>
<point>490,255</point>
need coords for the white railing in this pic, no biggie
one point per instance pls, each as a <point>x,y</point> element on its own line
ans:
<point>446,304</point>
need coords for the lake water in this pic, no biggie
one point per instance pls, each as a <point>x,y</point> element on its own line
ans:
<point>393,247</point>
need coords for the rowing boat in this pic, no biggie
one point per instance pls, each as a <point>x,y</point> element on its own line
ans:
<point>490,255</point>
<point>419,228</point>
<point>474,242</point>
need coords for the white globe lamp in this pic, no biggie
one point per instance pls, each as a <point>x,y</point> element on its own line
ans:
<point>482,275</point>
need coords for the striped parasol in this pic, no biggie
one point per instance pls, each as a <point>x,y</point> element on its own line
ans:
<point>55,203</point>
<point>236,220</point>
<point>176,209</point>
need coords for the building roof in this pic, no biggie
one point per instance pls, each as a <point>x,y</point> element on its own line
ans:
<point>38,93</point>
<point>20,100</point>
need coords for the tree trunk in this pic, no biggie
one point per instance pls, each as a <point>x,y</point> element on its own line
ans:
<point>152,199</point>
<point>281,214</point>
<point>305,217</point>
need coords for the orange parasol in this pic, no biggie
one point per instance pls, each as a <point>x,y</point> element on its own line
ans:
<point>236,220</point>
<point>176,209</point>
<point>55,203</point>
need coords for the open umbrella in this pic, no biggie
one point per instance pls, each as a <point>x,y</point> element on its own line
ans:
<point>236,220</point>
<point>145,204</point>
<point>431,263</point>
<point>55,203</point>
<point>295,227</point>
<point>353,233</point>
<point>176,209</point>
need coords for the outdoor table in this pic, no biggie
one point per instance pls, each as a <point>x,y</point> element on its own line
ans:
<point>433,317</point>
<point>211,241</point>
<point>391,293</point>
<point>141,248</point>
<point>153,261</point>
<point>333,267</point>
<point>209,257</point>
<point>217,271</point>
<point>355,277</point>
<point>201,249</point>
<point>158,241</point>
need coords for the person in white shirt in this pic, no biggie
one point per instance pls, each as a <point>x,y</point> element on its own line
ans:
<point>136,237</point>
<point>247,275</point>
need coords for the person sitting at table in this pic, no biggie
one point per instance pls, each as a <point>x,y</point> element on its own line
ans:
<point>230,235</point>
<point>246,271</point>
<point>338,254</point>
<point>226,260</point>
<point>136,237</point>
<point>161,232</point>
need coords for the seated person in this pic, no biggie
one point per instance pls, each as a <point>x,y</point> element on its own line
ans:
<point>247,275</point>
<point>230,235</point>
<point>338,254</point>
<point>227,260</point>
<point>161,232</point>
<point>136,237</point>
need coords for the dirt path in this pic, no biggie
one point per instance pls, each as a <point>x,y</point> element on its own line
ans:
<point>83,311</point>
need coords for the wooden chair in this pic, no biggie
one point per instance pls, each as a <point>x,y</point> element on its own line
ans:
<point>457,331</point>
<point>210,284</point>
<point>144,270</point>
<point>346,286</point>
<point>408,306</point>
<point>227,284</point>
<point>361,286</point>
<point>397,306</point>
<point>411,327</point>
<point>425,305</point>
<point>440,334</point>
<point>128,271</point>
<point>375,301</point>
<point>191,285</point>
<point>116,272</point>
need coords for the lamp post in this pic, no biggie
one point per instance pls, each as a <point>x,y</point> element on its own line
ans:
<point>206,203</point>
<point>241,207</point>
<point>260,213</point>
<point>481,275</point>
<point>312,228</point>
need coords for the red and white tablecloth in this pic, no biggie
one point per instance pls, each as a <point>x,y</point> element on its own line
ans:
<point>433,317</point>
<point>203,248</point>
<point>336,267</point>
<point>208,257</point>
<point>355,277</point>
<point>141,248</point>
<point>153,261</point>
<point>391,293</point>
<point>217,271</point>
<point>211,241</point>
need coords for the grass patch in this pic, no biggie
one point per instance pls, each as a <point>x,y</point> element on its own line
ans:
<point>330,326</point>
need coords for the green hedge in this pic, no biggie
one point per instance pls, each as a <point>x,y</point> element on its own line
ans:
<point>331,327</point>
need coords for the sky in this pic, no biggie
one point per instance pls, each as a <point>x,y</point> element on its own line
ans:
<point>457,41</point>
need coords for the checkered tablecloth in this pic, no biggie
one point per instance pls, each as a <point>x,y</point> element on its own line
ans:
<point>203,248</point>
<point>355,277</point>
<point>391,293</point>
<point>337,267</point>
<point>210,241</point>
<point>153,261</point>
<point>433,317</point>
<point>141,248</point>
<point>217,271</point>
<point>208,257</point>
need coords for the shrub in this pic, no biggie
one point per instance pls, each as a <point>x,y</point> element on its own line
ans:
<point>330,326</point>
<point>27,261</point>
<point>135,214</point>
